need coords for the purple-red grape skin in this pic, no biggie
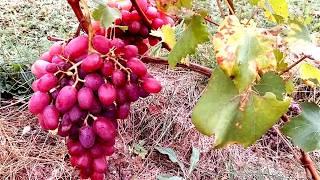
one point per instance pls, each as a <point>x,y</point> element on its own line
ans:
<point>107,94</point>
<point>50,117</point>
<point>38,102</point>
<point>87,137</point>
<point>66,98</point>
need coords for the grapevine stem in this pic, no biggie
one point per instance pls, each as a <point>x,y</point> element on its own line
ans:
<point>75,5</point>
<point>294,64</point>
<point>55,39</point>
<point>88,19</point>
<point>145,19</point>
<point>220,8</point>
<point>230,6</point>
<point>192,66</point>
<point>210,21</point>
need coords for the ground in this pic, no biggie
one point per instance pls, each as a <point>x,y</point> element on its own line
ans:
<point>163,120</point>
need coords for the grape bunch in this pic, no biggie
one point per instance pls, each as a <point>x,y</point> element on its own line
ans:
<point>138,31</point>
<point>82,89</point>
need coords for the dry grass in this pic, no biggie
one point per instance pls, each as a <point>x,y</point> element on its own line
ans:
<point>161,120</point>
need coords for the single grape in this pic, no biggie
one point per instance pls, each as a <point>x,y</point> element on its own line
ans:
<point>52,68</point>
<point>168,20</point>
<point>143,4</point>
<point>125,5</point>
<point>101,44</point>
<point>93,81</point>
<point>39,68</point>
<point>56,49</point>
<point>100,164</point>
<point>75,113</point>
<point>86,172</point>
<point>38,102</point>
<point>74,132</point>
<point>137,67</point>
<point>34,85</point>
<point>117,43</point>
<point>50,117</point>
<point>104,128</point>
<point>108,149</point>
<point>47,82</point>
<point>132,92</point>
<point>134,27</point>
<point>75,148</point>
<point>135,16</point>
<point>84,161</point>
<point>66,99</point>
<point>77,47</point>
<point>46,57</point>
<point>151,85</point>
<point>107,68</point>
<point>85,98</point>
<point>110,112</point>
<point>107,94</point>
<point>96,151</point>
<point>86,137</point>
<point>118,78</point>
<point>143,93</point>
<point>157,23</point>
<point>152,12</point>
<point>57,60</point>
<point>92,63</point>
<point>130,51</point>
<point>125,16</point>
<point>123,111</point>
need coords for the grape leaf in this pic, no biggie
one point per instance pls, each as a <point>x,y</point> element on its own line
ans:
<point>172,156</point>
<point>195,156</point>
<point>280,57</point>
<point>106,15</point>
<point>195,33</point>
<point>271,82</point>
<point>167,34</point>
<point>275,10</point>
<point>172,6</point>
<point>304,130</point>
<point>232,117</point>
<point>289,86</point>
<point>299,40</point>
<point>309,72</point>
<point>243,51</point>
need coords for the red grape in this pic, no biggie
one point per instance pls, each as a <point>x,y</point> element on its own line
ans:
<point>38,102</point>
<point>86,137</point>
<point>56,49</point>
<point>134,27</point>
<point>85,98</point>
<point>107,94</point>
<point>50,117</point>
<point>123,111</point>
<point>104,128</point>
<point>151,85</point>
<point>100,164</point>
<point>118,78</point>
<point>93,81</point>
<point>39,68</point>
<point>91,63</point>
<point>46,57</point>
<point>157,23</point>
<point>132,91</point>
<point>67,98</point>
<point>47,82</point>
<point>107,68</point>
<point>97,176</point>
<point>75,114</point>
<point>76,48</point>
<point>130,51</point>
<point>75,148</point>
<point>101,44</point>
<point>137,67</point>
<point>152,12</point>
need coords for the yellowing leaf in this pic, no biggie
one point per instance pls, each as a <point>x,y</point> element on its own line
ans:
<point>168,35</point>
<point>242,52</point>
<point>309,72</point>
<point>275,10</point>
<point>299,40</point>
<point>172,6</point>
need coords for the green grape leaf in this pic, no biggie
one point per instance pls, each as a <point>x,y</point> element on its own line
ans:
<point>235,118</point>
<point>195,33</point>
<point>271,82</point>
<point>195,157</point>
<point>299,40</point>
<point>275,10</point>
<point>310,73</point>
<point>106,15</point>
<point>304,130</point>
<point>242,52</point>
